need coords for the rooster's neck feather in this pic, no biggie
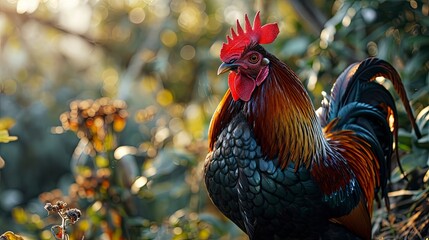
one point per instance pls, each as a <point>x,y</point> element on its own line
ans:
<point>281,115</point>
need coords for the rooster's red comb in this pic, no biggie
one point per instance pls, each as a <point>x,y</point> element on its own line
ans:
<point>236,43</point>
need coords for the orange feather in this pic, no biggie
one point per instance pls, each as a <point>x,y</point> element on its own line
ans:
<point>359,157</point>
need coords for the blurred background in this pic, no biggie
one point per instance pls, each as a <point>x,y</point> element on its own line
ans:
<point>111,102</point>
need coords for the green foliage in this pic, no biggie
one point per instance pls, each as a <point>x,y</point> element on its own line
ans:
<point>10,236</point>
<point>5,124</point>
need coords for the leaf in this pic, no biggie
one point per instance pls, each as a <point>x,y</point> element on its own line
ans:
<point>426,177</point>
<point>423,118</point>
<point>414,64</point>
<point>404,139</point>
<point>59,232</point>
<point>5,138</point>
<point>423,142</point>
<point>296,46</point>
<point>423,124</point>
<point>417,159</point>
<point>168,160</point>
<point>10,236</point>
<point>6,123</point>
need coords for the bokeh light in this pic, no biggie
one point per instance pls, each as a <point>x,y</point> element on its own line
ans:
<point>169,38</point>
<point>137,15</point>
<point>187,52</point>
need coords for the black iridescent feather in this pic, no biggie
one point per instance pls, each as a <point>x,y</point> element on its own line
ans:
<point>265,201</point>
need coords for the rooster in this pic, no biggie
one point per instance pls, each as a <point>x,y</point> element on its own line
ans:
<point>281,170</point>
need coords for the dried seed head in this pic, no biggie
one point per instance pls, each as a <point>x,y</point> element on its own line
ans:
<point>61,205</point>
<point>49,207</point>
<point>73,215</point>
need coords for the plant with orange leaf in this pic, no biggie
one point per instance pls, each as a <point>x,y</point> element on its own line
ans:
<point>68,216</point>
<point>99,176</point>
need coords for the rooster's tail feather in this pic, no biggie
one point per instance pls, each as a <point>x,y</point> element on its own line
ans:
<point>359,103</point>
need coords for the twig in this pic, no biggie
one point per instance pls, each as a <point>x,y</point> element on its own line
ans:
<point>48,23</point>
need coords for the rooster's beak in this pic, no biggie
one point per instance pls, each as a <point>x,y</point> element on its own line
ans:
<point>225,67</point>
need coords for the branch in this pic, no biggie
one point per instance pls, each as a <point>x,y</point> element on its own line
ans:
<point>19,18</point>
<point>311,14</point>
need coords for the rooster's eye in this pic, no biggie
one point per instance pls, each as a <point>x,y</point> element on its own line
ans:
<point>254,58</point>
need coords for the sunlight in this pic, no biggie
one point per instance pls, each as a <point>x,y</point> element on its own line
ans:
<point>190,19</point>
<point>138,184</point>
<point>137,15</point>
<point>27,6</point>
<point>169,38</point>
<point>113,101</point>
<point>187,52</point>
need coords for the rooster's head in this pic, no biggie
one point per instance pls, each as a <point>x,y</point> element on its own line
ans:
<point>248,67</point>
